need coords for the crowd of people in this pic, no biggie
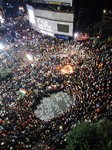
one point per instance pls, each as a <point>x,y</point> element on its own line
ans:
<point>39,76</point>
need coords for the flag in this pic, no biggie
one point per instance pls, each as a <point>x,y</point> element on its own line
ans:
<point>22,92</point>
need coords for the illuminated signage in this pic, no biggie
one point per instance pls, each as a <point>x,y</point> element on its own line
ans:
<point>55,2</point>
<point>43,24</point>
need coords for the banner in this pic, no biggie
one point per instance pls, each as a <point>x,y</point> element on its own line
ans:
<point>54,105</point>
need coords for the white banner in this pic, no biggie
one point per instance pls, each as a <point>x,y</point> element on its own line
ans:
<point>53,106</point>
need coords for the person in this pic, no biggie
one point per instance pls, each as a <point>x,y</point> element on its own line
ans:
<point>90,83</point>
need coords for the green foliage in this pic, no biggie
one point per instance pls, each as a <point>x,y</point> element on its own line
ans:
<point>91,136</point>
<point>4,72</point>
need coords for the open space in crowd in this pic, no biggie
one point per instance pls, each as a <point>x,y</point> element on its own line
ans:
<point>35,61</point>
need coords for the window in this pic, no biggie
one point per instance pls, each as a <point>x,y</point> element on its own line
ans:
<point>63,28</point>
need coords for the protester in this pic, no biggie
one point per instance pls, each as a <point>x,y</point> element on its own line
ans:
<point>35,60</point>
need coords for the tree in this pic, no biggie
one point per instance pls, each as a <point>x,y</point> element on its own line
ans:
<point>5,72</point>
<point>91,136</point>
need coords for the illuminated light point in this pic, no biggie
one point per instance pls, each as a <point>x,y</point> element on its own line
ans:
<point>60,127</point>
<point>98,37</point>
<point>1,46</point>
<point>30,58</point>
<point>75,35</point>
<point>104,11</point>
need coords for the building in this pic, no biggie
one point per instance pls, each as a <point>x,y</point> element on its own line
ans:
<point>87,12</point>
<point>68,16</point>
<point>52,17</point>
<point>10,7</point>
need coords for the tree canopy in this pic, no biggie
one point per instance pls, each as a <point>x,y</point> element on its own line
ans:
<point>91,136</point>
<point>4,72</point>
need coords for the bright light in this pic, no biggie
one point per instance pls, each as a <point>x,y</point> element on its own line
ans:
<point>30,58</point>
<point>32,65</point>
<point>60,127</point>
<point>1,19</point>
<point>21,8</point>
<point>104,11</point>
<point>67,69</point>
<point>98,37</point>
<point>75,35</point>
<point>1,46</point>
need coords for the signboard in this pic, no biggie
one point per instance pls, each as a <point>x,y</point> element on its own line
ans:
<point>55,2</point>
<point>54,105</point>
<point>52,27</point>
<point>51,23</point>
